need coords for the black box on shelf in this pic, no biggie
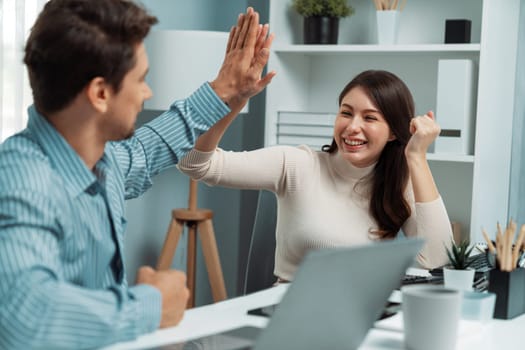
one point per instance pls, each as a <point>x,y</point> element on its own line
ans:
<point>457,31</point>
<point>509,288</point>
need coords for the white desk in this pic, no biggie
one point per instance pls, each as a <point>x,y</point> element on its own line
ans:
<point>229,314</point>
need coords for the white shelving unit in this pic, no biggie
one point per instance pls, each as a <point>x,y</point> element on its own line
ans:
<point>380,49</point>
<point>309,78</point>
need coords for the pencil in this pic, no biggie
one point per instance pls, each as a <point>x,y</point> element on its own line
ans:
<point>499,246</point>
<point>491,247</point>
<point>504,248</point>
<point>498,250</point>
<point>517,246</point>
<point>510,233</point>
<point>498,226</point>
<point>394,5</point>
<point>510,238</point>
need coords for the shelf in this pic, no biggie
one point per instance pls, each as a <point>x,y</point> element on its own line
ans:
<point>475,188</point>
<point>380,49</point>
<point>316,141</point>
<point>445,157</point>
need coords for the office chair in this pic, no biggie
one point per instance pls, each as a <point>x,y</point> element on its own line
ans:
<point>261,257</point>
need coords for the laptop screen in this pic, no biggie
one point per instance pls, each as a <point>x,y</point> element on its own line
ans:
<point>336,296</point>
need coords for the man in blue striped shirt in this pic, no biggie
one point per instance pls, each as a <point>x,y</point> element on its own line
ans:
<point>64,179</point>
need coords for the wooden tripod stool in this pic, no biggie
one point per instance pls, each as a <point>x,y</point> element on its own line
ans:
<point>198,221</point>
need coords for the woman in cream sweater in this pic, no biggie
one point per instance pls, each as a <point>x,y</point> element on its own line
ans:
<point>370,183</point>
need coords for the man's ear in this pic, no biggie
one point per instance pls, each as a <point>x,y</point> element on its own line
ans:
<point>98,94</point>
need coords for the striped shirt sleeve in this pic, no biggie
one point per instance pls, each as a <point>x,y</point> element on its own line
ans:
<point>40,309</point>
<point>62,280</point>
<point>165,140</point>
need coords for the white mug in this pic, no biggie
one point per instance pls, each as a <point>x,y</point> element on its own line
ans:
<point>430,316</point>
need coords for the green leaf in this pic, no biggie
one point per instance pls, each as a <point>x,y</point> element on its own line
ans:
<point>459,254</point>
<point>323,8</point>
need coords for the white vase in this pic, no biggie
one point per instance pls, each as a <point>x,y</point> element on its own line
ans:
<point>387,26</point>
<point>458,279</point>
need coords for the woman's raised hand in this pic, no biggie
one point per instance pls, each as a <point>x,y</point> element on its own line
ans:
<point>424,130</point>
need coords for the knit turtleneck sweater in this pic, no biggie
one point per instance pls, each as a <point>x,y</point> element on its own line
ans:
<point>323,201</point>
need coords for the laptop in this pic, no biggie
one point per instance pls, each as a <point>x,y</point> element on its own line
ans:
<point>335,298</point>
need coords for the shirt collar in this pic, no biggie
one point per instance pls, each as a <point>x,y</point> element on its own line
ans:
<point>346,170</point>
<point>66,162</point>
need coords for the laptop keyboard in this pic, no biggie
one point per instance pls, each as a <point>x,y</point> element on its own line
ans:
<point>479,262</point>
<point>415,279</point>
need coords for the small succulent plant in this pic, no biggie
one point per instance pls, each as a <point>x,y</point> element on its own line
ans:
<point>323,8</point>
<point>459,254</point>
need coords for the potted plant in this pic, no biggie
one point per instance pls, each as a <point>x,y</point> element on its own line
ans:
<point>321,19</point>
<point>458,274</point>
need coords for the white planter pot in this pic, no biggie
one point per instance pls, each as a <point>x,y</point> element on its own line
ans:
<point>458,279</point>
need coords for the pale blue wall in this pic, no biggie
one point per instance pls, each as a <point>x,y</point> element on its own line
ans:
<point>196,14</point>
<point>149,216</point>
<point>517,179</point>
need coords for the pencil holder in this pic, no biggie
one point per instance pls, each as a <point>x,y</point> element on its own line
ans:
<point>509,288</point>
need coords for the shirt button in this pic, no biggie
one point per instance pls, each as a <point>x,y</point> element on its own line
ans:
<point>93,189</point>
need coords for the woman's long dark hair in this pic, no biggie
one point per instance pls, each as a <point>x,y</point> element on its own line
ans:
<point>388,205</point>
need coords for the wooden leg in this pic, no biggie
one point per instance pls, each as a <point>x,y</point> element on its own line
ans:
<point>190,263</point>
<point>211,258</point>
<point>170,244</point>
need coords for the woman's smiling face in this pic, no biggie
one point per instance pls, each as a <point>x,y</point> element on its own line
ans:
<point>360,131</point>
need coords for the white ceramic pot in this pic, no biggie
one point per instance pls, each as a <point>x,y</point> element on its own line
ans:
<point>458,279</point>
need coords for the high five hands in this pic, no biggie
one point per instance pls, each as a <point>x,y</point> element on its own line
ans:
<point>247,53</point>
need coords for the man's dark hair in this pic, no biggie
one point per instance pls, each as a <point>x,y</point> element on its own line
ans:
<point>74,41</point>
